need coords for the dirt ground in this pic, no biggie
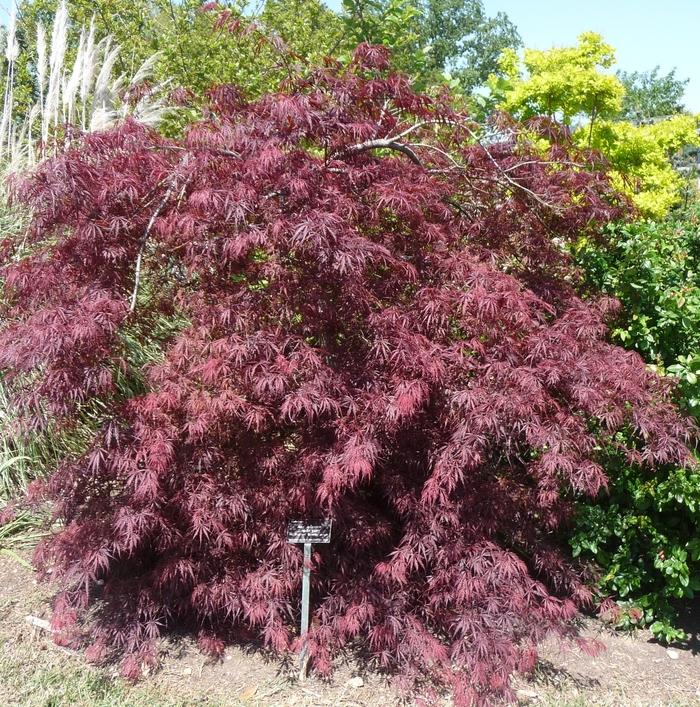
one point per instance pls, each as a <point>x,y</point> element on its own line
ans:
<point>34,671</point>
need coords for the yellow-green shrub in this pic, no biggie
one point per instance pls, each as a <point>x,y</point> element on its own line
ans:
<point>570,84</point>
<point>563,82</point>
<point>640,157</point>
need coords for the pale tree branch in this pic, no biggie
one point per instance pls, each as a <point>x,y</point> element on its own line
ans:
<point>383,144</point>
<point>144,238</point>
<point>507,177</point>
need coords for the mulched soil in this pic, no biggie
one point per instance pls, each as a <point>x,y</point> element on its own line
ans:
<point>633,670</point>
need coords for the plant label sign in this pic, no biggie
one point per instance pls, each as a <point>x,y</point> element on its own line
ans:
<point>307,534</point>
<point>313,533</point>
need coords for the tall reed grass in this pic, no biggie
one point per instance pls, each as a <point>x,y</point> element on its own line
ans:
<point>85,94</point>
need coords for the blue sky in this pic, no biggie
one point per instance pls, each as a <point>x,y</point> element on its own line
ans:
<point>644,32</point>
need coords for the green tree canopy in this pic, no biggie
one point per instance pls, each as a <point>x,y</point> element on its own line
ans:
<point>194,50</point>
<point>462,38</point>
<point>574,85</point>
<point>564,82</point>
<point>649,94</point>
<point>427,37</point>
<point>430,37</point>
<point>640,159</point>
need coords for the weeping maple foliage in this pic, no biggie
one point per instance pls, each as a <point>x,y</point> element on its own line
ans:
<point>376,323</point>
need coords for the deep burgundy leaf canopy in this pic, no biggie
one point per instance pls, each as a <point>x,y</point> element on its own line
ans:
<point>371,317</point>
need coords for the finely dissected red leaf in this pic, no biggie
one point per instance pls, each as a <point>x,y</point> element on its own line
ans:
<point>387,336</point>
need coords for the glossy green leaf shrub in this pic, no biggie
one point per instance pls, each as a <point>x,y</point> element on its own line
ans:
<point>653,268</point>
<point>644,533</point>
<point>644,537</point>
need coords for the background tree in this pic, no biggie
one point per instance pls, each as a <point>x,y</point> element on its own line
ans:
<point>642,159</point>
<point>651,95</point>
<point>195,49</point>
<point>427,37</point>
<point>566,83</point>
<point>390,23</point>
<point>462,39</point>
<point>431,37</point>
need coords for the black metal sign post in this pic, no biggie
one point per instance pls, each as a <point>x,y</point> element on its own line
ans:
<point>298,533</point>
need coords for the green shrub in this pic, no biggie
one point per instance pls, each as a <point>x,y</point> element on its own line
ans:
<point>644,536</point>
<point>653,268</point>
<point>644,533</point>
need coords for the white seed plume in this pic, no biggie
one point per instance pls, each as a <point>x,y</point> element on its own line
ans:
<point>102,118</point>
<point>89,63</point>
<point>22,153</point>
<point>56,58</point>
<point>150,109</point>
<point>12,47</point>
<point>70,90</point>
<point>42,63</point>
<point>103,98</point>
<point>30,157</point>
<point>85,93</point>
<point>11,53</point>
<point>145,70</point>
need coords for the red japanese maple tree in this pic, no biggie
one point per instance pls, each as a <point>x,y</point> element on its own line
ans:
<point>374,320</point>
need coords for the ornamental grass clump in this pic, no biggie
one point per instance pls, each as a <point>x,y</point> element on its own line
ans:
<point>378,324</point>
<point>83,97</point>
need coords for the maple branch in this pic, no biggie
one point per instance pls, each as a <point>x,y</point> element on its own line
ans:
<point>383,112</point>
<point>144,238</point>
<point>423,123</point>
<point>507,177</point>
<point>201,148</point>
<point>525,163</point>
<point>458,207</point>
<point>385,144</point>
<point>435,148</point>
<point>410,129</point>
<point>142,246</point>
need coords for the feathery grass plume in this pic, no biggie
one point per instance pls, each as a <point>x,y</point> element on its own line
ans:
<point>42,64</point>
<point>83,95</point>
<point>103,113</point>
<point>145,71</point>
<point>117,88</point>
<point>101,119</point>
<point>101,91</point>
<point>12,48</point>
<point>25,154</point>
<point>72,85</point>
<point>89,63</point>
<point>59,38</point>
<point>20,147</point>
<point>150,109</point>
<point>11,54</point>
<point>149,106</point>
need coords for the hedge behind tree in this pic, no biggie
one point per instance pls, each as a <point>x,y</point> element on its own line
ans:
<point>373,320</point>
